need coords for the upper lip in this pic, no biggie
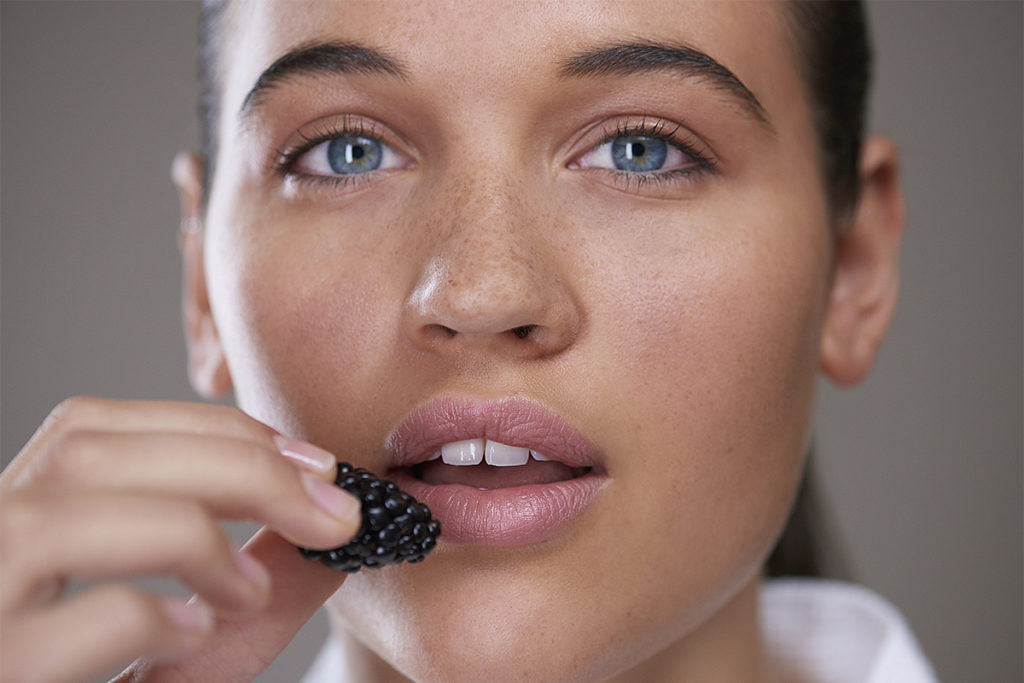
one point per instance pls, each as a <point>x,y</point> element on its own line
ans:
<point>514,421</point>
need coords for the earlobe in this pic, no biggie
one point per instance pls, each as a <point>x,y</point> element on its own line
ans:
<point>866,273</point>
<point>207,366</point>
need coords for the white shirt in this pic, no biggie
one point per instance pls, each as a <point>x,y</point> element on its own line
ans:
<point>815,631</point>
<point>831,632</point>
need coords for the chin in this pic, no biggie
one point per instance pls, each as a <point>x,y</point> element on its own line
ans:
<point>471,616</point>
<point>494,615</point>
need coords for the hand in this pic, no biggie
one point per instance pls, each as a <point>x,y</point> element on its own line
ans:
<point>109,490</point>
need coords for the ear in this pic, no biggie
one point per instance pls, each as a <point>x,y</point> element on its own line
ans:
<point>866,277</point>
<point>207,367</point>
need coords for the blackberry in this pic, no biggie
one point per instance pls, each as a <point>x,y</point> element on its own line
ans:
<point>396,527</point>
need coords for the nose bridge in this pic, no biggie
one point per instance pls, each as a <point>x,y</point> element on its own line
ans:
<point>493,273</point>
<point>490,240</point>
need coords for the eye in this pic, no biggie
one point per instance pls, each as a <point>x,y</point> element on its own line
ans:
<point>347,155</point>
<point>637,154</point>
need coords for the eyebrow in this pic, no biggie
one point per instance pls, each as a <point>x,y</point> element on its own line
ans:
<point>626,59</point>
<point>615,60</point>
<point>321,58</point>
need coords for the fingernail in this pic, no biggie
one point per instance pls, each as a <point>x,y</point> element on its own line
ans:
<point>191,616</point>
<point>252,570</point>
<point>336,501</point>
<point>305,454</point>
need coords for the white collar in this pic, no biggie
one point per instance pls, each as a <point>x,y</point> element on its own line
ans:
<point>832,632</point>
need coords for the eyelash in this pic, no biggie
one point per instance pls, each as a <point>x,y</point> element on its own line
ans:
<point>704,162</point>
<point>288,157</point>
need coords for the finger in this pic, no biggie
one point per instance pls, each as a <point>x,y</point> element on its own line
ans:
<point>95,414</point>
<point>52,645</point>
<point>88,536</point>
<point>233,478</point>
<point>243,646</point>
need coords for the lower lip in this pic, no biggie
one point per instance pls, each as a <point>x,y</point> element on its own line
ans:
<point>511,516</point>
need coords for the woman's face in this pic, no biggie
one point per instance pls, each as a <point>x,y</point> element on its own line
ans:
<point>550,201</point>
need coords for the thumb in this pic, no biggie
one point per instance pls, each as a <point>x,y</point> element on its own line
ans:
<point>243,646</point>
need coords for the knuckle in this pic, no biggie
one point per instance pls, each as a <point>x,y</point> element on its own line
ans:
<point>73,455</point>
<point>74,411</point>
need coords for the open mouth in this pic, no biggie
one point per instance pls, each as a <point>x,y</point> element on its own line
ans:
<point>498,472</point>
<point>484,464</point>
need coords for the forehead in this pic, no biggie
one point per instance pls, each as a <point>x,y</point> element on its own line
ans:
<point>505,48</point>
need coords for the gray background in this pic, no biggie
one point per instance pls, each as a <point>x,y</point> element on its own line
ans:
<point>922,463</point>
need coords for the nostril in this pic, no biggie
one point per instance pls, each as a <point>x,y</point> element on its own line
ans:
<point>436,331</point>
<point>523,331</point>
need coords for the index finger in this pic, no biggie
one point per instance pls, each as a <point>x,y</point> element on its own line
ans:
<point>85,413</point>
<point>243,646</point>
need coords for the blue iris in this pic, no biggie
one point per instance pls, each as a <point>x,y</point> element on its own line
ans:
<point>638,153</point>
<point>351,154</point>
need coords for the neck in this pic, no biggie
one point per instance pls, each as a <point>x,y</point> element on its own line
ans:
<point>727,648</point>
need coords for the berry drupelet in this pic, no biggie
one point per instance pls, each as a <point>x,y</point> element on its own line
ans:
<point>396,528</point>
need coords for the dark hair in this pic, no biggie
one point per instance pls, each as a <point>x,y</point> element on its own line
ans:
<point>808,545</point>
<point>211,20</point>
<point>835,59</point>
<point>834,56</point>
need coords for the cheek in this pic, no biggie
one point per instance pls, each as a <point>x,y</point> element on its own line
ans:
<point>729,331</point>
<point>293,314</point>
<point>713,356</point>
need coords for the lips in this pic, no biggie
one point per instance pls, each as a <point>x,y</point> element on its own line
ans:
<point>497,472</point>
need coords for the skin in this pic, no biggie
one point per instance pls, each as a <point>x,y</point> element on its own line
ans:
<point>680,327</point>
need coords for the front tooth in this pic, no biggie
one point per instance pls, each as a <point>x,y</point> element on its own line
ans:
<point>500,455</point>
<point>468,452</point>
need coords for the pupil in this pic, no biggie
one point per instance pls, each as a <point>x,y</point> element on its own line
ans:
<point>357,152</point>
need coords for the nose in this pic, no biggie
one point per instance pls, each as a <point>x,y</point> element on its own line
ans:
<point>492,282</point>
